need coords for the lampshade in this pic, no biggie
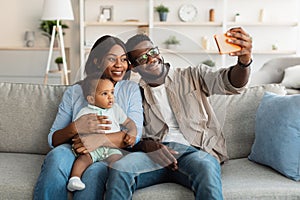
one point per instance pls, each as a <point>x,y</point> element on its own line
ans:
<point>57,10</point>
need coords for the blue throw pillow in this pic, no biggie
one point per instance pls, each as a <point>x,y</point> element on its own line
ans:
<point>277,134</point>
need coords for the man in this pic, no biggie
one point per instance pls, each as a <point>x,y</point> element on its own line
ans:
<point>182,137</point>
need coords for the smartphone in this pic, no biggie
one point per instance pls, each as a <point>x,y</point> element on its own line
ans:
<point>223,46</point>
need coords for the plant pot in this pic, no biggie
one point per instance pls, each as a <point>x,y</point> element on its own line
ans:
<point>237,18</point>
<point>172,46</point>
<point>59,66</point>
<point>163,16</point>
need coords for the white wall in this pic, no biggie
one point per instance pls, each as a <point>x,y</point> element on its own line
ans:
<point>18,16</point>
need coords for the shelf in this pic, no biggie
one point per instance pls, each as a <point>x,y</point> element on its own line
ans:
<point>274,52</point>
<point>263,24</point>
<point>91,23</point>
<point>263,52</point>
<point>56,71</point>
<point>187,24</point>
<point>27,48</point>
<point>219,24</point>
<point>171,51</point>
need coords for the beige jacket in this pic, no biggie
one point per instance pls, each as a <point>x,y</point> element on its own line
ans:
<point>187,90</point>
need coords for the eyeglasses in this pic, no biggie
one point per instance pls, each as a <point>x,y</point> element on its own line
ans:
<point>143,59</point>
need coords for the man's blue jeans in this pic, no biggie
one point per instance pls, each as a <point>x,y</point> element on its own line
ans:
<point>198,171</point>
<point>56,169</point>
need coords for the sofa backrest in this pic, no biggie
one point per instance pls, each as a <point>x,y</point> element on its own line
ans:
<point>27,114</point>
<point>236,113</point>
<point>28,111</point>
<point>273,70</point>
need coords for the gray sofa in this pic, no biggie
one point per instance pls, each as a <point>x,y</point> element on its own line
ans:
<point>28,110</point>
<point>273,72</point>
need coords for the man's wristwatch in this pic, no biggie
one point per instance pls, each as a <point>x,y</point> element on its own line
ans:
<point>243,65</point>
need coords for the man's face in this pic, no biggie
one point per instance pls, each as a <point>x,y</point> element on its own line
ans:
<point>147,61</point>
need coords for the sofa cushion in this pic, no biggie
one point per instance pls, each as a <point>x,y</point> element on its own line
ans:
<point>236,113</point>
<point>27,114</point>
<point>291,77</point>
<point>163,191</point>
<point>277,134</point>
<point>19,174</point>
<point>241,179</point>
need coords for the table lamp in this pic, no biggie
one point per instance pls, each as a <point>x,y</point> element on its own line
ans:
<point>57,10</point>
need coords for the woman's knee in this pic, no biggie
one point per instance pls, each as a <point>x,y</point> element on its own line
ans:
<point>60,158</point>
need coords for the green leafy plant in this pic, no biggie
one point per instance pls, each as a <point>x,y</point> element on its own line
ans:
<point>172,40</point>
<point>209,63</point>
<point>47,27</point>
<point>161,9</point>
<point>58,60</point>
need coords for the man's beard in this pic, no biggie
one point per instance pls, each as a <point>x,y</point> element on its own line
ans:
<point>156,79</point>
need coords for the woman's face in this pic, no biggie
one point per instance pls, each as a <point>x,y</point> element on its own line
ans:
<point>116,63</point>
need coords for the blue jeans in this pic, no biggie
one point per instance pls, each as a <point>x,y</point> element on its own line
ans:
<point>198,171</point>
<point>55,172</point>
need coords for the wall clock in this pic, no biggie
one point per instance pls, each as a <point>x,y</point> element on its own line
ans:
<point>187,12</point>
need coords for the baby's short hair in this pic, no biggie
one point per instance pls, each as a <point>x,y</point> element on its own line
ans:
<point>89,84</point>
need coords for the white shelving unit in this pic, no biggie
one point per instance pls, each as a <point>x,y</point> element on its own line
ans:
<point>280,27</point>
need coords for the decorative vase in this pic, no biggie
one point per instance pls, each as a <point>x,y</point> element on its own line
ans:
<point>261,15</point>
<point>29,38</point>
<point>211,15</point>
<point>205,43</point>
<point>163,16</point>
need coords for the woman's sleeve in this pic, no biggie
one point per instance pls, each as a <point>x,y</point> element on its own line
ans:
<point>63,116</point>
<point>135,110</point>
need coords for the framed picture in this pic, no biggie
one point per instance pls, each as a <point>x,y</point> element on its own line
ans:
<point>107,12</point>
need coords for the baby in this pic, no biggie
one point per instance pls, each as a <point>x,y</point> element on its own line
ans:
<point>99,92</point>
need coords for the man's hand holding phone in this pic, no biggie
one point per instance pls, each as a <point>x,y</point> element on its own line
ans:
<point>223,44</point>
<point>236,42</point>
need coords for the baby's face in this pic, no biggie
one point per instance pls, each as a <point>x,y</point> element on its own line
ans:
<point>104,94</point>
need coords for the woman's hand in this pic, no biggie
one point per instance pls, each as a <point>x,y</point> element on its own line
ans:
<point>77,145</point>
<point>92,123</point>
<point>89,142</point>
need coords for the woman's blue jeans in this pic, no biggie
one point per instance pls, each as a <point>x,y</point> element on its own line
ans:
<point>55,172</point>
<point>198,171</point>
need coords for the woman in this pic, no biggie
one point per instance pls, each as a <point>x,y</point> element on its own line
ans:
<point>107,51</point>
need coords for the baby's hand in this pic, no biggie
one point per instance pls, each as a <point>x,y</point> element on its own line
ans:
<point>129,140</point>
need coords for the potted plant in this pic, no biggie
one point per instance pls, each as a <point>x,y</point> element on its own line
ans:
<point>59,62</point>
<point>172,42</point>
<point>237,17</point>
<point>47,26</point>
<point>209,63</point>
<point>162,11</point>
